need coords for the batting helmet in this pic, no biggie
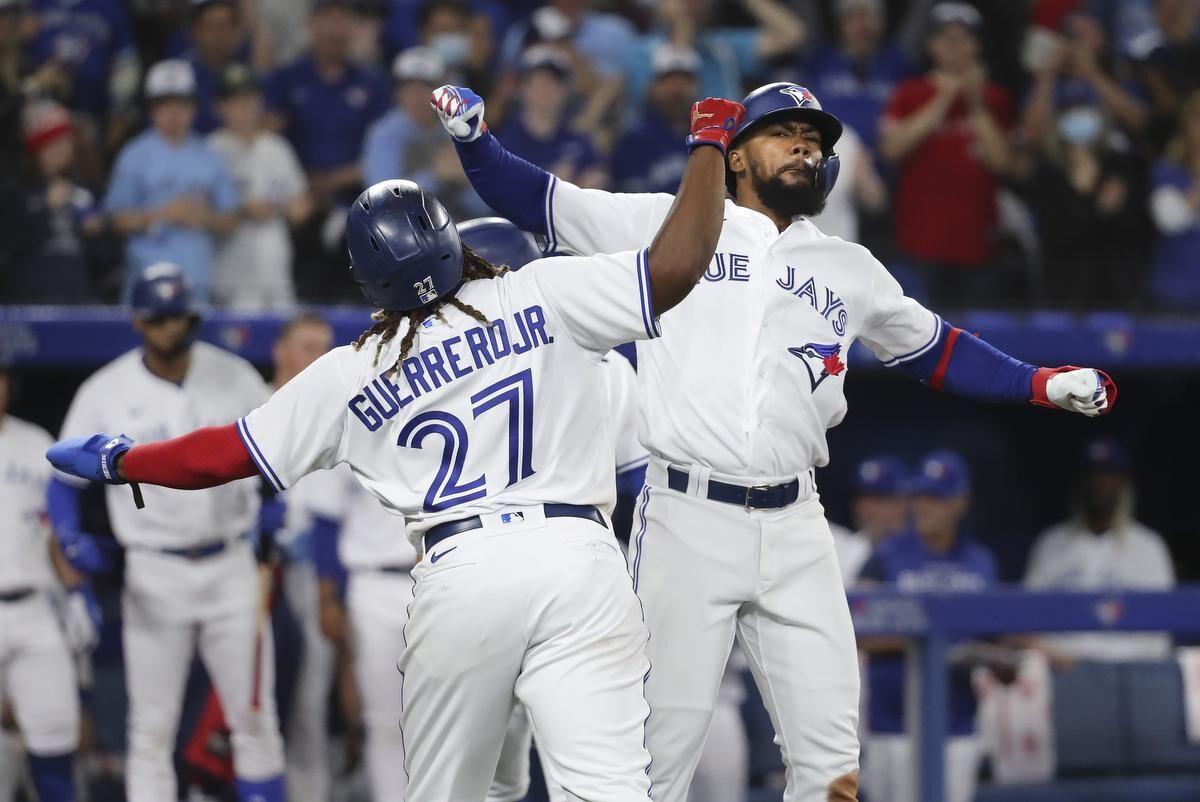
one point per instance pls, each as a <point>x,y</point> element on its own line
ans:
<point>500,242</point>
<point>795,101</point>
<point>404,248</point>
<point>162,289</point>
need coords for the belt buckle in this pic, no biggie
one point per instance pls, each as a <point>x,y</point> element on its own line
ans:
<point>750,492</point>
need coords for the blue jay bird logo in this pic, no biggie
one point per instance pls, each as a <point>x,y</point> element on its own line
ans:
<point>829,357</point>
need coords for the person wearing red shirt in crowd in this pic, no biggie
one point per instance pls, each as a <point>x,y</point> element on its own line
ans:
<point>947,134</point>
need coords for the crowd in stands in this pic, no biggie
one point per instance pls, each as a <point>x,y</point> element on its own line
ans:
<point>998,153</point>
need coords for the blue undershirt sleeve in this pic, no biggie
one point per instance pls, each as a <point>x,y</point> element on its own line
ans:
<point>62,506</point>
<point>512,186</point>
<point>965,365</point>
<point>325,533</point>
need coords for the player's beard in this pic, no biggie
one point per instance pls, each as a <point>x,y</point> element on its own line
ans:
<point>786,200</point>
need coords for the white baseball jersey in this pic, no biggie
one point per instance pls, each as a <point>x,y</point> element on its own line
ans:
<point>748,376</point>
<point>125,397</point>
<point>620,380</point>
<point>1131,557</point>
<point>24,473</point>
<point>481,416</point>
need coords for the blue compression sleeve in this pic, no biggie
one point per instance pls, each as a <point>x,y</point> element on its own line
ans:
<point>62,506</point>
<point>325,533</point>
<point>965,365</point>
<point>512,186</point>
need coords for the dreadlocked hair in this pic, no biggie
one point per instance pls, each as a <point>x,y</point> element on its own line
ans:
<point>387,322</point>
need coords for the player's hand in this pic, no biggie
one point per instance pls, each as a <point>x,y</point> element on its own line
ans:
<point>82,620</point>
<point>1084,390</point>
<point>84,552</point>
<point>714,122</point>
<point>460,110</point>
<point>93,457</point>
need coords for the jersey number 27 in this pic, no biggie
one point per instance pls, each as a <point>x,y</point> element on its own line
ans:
<point>448,488</point>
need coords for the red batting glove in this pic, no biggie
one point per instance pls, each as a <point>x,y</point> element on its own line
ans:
<point>714,122</point>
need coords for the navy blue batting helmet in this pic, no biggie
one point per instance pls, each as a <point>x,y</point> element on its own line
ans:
<point>404,248</point>
<point>797,102</point>
<point>162,289</point>
<point>500,241</point>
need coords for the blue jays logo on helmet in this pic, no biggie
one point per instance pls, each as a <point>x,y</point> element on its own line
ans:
<point>827,356</point>
<point>793,100</point>
<point>500,241</point>
<point>162,289</point>
<point>405,251</point>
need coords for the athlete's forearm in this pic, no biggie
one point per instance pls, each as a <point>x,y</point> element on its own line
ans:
<point>512,186</point>
<point>203,458</point>
<point>963,364</point>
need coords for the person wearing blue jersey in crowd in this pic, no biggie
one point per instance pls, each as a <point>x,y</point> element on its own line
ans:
<point>878,512</point>
<point>933,556</point>
<point>647,157</point>
<point>1175,207</point>
<point>217,37</point>
<point>854,76</point>
<point>324,103</point>
<point>169,191</point>
<point>540,129</point>
<point>84,50</point>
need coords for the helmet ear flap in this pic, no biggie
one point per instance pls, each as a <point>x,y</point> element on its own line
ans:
<point>827,174</point>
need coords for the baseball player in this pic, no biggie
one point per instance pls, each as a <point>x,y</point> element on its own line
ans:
<point>879,510</point>
<point>933,556</point>
<point>36,670</point>
<point>474,407</point>
<point>190,576</point>
<point>736,399</point>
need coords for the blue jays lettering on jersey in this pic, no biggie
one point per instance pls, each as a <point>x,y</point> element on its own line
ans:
<point>326,122</point>
<point>905,562</point>
<point>86,37</point>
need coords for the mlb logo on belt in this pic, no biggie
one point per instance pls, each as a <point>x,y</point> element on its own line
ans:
<point>511,517</point>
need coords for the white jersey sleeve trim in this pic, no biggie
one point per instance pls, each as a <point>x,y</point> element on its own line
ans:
<point>551,235</point>
<point>647,300</point>
<point>256,454</point>
<point>911,355</point>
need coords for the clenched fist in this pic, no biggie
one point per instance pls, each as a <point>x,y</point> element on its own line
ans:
<point>714,122</point>
<point>460,110</point>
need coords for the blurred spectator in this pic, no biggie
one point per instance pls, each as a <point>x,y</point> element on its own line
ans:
<point>933,557</point>
<point>14,73</point>
<point>467,28</point>
<point>217,36</point>
<point>540,132</point>
<point>1175,207</point>
<point>650,156</point>
<point>947,132</point>
<point>45,219</point>
<point>859,187</point>
<point>324,103</point>
<point>855,76</point>
<point>1102,547</point>
<point>879,510</point>
<point>283,25</point>
<point>1090,222</point>
<point>169,191</point>
<point>1075,67</point>
<point>1169,67</point>
<point>731,59</point>
<point>254,261</point>
<point>84,53</point>
<point>408,142</point>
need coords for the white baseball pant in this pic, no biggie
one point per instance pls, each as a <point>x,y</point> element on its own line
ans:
<point>37,676</point>
<point>307,741</point>
<point>172,606</point>
<point>889,768</point>
<point>706,570</point>
<point>540,611</point>
<point>723,773</point>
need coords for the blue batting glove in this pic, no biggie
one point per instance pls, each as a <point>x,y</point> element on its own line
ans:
<point>460,111</point>
<point>92,457</point>
<point>84,552</point>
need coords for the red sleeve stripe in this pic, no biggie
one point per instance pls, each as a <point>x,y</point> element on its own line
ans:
<point>938,380</point>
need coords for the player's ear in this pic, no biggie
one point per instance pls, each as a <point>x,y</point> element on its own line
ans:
<point>736,161</point>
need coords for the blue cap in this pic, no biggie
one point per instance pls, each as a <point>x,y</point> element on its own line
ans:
<point>943,474</point>
<point>881,475</point>
<point>404,248</point>
<point>500,241</point>
<point>162,289</point>
<point>791,99</point>
<point>1106,455</point>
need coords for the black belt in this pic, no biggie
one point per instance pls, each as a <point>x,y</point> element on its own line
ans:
<point>437,534</point>
<point>393,569</point>
<point>756,497</point>
<point>8,596</point>
<point>198,552</point>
